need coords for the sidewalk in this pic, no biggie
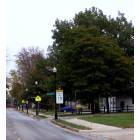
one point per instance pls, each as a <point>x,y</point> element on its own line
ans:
<point>110,132</point>
<point>99,131</point>
<point>40,114</point>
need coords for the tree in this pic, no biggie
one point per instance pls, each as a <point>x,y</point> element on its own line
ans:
<point>89,55</point>
<point>32,66</point>
<point>119,28</point>
<point>16,86</point>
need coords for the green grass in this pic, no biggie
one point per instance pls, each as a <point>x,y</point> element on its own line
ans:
<point>50,112</point>
<point>43,117</point>
<point>40,117</point>
<point>72,125</point>
<point>124,120</point>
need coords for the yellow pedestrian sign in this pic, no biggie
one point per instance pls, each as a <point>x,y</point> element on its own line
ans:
<point>23,101</point>
<point>37,98</point>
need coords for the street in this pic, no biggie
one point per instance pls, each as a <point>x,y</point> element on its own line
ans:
<point>22,127</point>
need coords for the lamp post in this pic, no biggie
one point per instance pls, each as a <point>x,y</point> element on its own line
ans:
<point>75,98</point>
<point>22,106</point>
<point>36,83</point>
<point>27,100</point>
<point>55,105</point>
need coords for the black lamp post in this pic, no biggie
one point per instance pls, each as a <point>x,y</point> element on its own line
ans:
<point>55,105</point>
<point>36,83</point>
<point>27,100</point>
<point>22,107</point>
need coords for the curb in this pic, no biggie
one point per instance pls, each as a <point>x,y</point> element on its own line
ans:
<point>64,126</point>
<point>71,129</point>
<point>32,115</point>
<point>29,114</point>
<point>53,121</point>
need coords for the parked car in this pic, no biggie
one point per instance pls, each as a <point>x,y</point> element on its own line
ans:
<point>67,109</point>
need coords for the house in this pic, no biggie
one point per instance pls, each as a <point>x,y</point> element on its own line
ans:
<point>117,104</point>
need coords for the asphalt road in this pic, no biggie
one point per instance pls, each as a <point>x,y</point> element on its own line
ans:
<point>22,127</point>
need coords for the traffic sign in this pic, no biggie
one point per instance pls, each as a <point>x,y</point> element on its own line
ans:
<point>50,93</point>
<point>37,98</point>
<point>23,101</point>
<point>59,96</point>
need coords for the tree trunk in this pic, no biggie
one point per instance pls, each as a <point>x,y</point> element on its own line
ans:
<point>88,105</point>
<point>92,106</point>
<point>64,103</point>
<point>107,104</point>
<point>97,109</point>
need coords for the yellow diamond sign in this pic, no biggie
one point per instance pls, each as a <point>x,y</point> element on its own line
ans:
<point>37,98</point>
<point>23,101</point>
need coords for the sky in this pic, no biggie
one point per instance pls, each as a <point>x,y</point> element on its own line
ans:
<point>29,22</point>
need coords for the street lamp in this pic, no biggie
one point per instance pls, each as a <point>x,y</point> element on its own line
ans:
<point>36,83</point>
<point>26,89</point>
<point>54,70</point>
<point>55,106</point>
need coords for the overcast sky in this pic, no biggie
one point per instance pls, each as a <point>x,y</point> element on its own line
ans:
<point>29,22</point>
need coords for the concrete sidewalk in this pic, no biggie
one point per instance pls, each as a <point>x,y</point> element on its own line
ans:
<point>40,114</point>
<point>110,132</point>
<point>33,114</point>
<point>99,131</point>
<point>94,126</point>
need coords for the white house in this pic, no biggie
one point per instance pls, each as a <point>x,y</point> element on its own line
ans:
<point>117,104</point>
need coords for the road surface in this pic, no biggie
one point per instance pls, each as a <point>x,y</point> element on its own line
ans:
<point>22,127</point>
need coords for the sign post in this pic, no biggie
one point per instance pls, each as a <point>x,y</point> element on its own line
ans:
<point>27,106</point>
<point>37,99</point>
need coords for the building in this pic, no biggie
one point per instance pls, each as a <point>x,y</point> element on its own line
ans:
<point>117,104</point>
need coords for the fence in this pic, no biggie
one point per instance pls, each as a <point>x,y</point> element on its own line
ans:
<point>118,109</point>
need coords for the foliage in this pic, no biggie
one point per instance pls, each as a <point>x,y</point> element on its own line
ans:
<point>16,86</point>
<point>119,28</point>
<point>31,67</point>
<point>94,54</point>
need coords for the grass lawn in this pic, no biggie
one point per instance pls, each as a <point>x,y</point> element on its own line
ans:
<point>124,120</point>
<point>50,112</point>
<point>44,111</point>
<point>72,125</point>
<point>43,117</point>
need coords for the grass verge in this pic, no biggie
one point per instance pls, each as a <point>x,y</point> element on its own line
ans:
<point>71,125</point>
<point>42,116</point>
<point>123,120</point>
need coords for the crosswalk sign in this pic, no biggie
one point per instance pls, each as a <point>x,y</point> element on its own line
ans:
<point>23,101</point>
<point>37,98</point>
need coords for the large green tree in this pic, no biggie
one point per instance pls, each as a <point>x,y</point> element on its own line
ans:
<point>93,54</point>
<point>118,28</point>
